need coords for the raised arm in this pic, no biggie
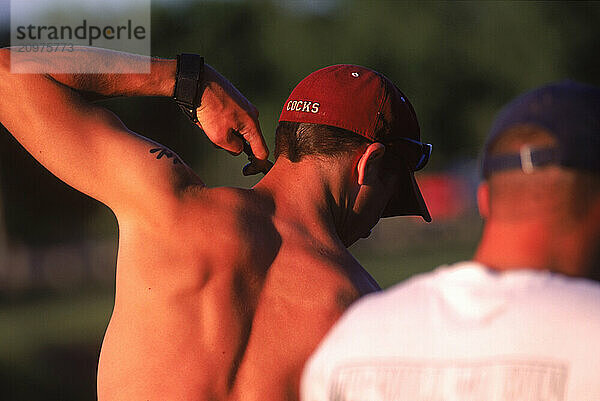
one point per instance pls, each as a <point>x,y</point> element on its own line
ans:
<point>90,149</point>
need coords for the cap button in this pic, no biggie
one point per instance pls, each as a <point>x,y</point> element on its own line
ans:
<point>355,74</point>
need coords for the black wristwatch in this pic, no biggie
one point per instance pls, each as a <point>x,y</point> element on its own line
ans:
<point>189,83</point>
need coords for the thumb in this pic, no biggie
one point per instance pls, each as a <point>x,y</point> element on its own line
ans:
<point>252,133</point>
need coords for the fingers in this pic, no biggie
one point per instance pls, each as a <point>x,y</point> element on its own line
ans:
<point>232,139</point>
<point>232,143</point>
<point>253,135</point>
<point>224,111</point>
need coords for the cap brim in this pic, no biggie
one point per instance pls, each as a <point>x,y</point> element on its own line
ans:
<point>407,200</point>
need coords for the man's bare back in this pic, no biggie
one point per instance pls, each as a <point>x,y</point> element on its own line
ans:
<point>221,293</point>
<point>225,297</point>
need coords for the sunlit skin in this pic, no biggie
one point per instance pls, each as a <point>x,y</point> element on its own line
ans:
<point>221,293</point>
<point>549,239</point>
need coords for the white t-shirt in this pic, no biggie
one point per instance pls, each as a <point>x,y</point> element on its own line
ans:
<point>464,333</point>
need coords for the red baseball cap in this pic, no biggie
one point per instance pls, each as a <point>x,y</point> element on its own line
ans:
<point>365,102</point>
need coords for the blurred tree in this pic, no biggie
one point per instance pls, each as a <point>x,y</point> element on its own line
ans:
<point>458,62</point>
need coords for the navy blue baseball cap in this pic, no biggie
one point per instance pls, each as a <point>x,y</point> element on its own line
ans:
<point>568,110</point>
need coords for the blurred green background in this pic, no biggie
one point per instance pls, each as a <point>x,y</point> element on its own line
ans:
<point>458,62</point>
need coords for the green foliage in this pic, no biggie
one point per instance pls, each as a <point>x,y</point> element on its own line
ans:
<point>458,62</point>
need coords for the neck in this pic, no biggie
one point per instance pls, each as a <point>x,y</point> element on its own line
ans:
<point>308,198</point>
<point>513,245</point>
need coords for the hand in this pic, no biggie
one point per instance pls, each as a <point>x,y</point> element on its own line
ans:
<point>226,116</point>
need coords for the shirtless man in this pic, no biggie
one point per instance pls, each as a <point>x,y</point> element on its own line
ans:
<point>223,293</point>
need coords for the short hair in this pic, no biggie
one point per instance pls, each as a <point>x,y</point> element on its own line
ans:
<point>525,194</point>
<point>298,140</point>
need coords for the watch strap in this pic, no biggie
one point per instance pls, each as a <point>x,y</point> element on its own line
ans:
<point>189,83</point>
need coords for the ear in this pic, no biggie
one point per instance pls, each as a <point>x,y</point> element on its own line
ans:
<point>483,199</point>
<point>370,163</point>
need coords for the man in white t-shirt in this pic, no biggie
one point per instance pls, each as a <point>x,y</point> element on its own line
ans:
<point>521,321</point>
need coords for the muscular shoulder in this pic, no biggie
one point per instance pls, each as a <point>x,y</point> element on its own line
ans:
<point>312,277</point>
<point>201,220</point>
<point>230,222</point>
<point>217,212</point>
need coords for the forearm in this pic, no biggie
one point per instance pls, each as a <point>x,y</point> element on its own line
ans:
<point>159,82</point>
<point>83,144</point>
<point>224,112</point>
